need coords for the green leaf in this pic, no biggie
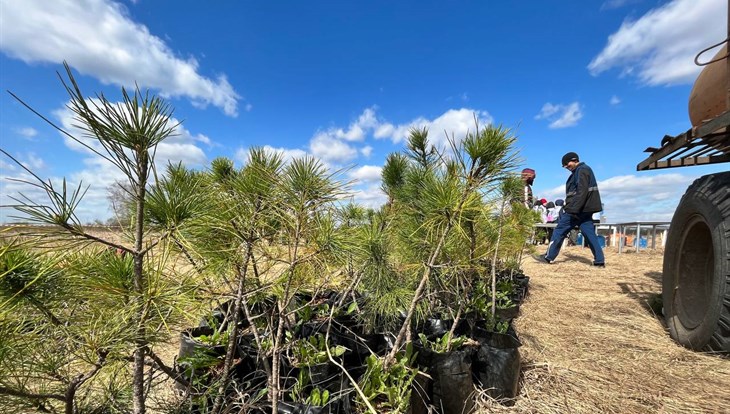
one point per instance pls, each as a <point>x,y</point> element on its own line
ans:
<point>352,308</point>
<point>338,350</point>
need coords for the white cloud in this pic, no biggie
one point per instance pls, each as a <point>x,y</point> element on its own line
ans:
<point>6,166</point>
<point>98,174</point>
<point>332,145</point>
<point>659,48</point>
<point>178,147</point>
<point>560,115</point>
<point>174,152</point>
<point>547,111</point>
<point>181,147</point>
<point>384,131</point>
<point>99,39</point>
<point>615,100</point>
<point>67,122</point>
<point>357,129</point>
<point>94,178</point>
<point>331,150</point>
<point>630,198</point>
<point>27,132</point>
<point>369,196</point>
<point>366,173</point>
<point>616,4</point>
<point>368,119</point>
<point>398,133</point>
<point>288,154</point>
<point>200,138</point>
<point>34,162</point>
<point>95,175</point>
<point>28,160</point>
<point>13,184</point>
<point>456,122</point>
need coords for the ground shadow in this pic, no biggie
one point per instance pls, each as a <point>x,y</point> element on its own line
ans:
<point>578,258</point>
<point>649,300</point>
<point>657,276</point>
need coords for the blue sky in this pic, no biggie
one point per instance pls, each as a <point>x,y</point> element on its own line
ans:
<point>344,81</point>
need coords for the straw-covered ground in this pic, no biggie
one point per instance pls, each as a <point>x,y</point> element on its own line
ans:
<point>591,343</point>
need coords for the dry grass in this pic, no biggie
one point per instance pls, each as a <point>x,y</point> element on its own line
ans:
<point>591,344</point>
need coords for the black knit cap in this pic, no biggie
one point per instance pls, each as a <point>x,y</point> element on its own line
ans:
<point>570,157</point>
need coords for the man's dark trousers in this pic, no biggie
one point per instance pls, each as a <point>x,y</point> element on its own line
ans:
<point>565,224</point>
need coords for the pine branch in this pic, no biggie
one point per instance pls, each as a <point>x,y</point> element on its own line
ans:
<point>159,364</point>
<point>30,395</point>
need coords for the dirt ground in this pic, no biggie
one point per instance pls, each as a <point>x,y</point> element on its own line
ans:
<point>591,343</point>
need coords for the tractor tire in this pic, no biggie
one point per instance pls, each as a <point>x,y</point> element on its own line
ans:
<point>696,277</point>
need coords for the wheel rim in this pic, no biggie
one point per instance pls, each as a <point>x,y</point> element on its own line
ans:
<point>695,264</point>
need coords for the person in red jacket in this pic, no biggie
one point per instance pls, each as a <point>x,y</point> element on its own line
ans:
<point>528,177</point>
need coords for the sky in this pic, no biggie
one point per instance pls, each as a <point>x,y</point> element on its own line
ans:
<point>345,81</point>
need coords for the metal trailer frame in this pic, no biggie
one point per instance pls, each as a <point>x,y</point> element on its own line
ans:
<point>708,143</point>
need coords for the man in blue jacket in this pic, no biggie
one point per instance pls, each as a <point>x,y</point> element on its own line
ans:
<point>582,199</point>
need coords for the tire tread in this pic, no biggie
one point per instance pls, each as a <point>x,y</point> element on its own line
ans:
<point>714,189</point>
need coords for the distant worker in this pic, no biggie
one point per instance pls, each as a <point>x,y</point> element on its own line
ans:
<point>552,212</point>
<point>528,177</point>
<point>559,203</point>
<point>541,209</point>
<point>541,236</point>
<point>552,217</point>
<point>582,199</point>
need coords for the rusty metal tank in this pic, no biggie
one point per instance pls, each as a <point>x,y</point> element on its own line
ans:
<point>708,96</point>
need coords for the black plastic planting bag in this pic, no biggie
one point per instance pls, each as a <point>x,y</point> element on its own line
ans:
<point>192,349</point>
<point>435,328</point>
<point>189,343</point>
<point>248,369</point>
<point>523,283</point>
<point>497,364</point>
<point>507,314</point>
<point>220,316</point>
<point>295,408</point>
<point>451,389</point>
<point>340,400</point>
<point>421,390</point>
